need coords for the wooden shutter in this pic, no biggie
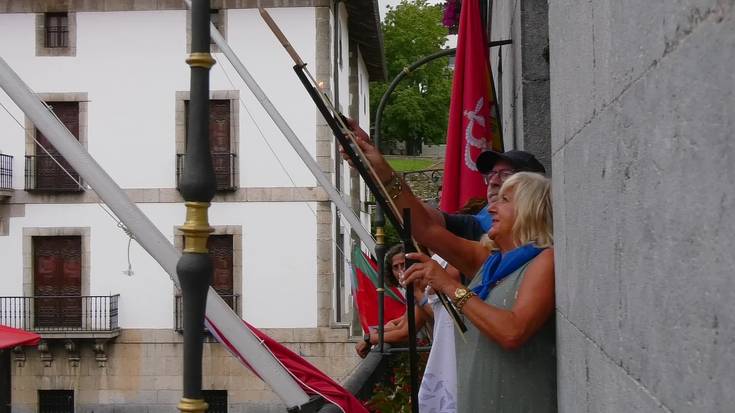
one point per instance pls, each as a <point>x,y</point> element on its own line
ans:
<point>58,275</point>
<point>219,141</point>
<point>48,174</point>
<point>221,253</point>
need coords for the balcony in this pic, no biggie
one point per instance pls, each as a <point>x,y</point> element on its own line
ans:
<point>63,316</point>
<point>43,174</point>
<point>225,170</point>
<point>232,300</point>
<point>6,176</point>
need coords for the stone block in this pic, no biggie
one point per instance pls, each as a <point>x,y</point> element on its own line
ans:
<point>170,397</point>
<point>534,40</point>
<point>635,234</point>
<point>571,68</point>
<point>168,382</point>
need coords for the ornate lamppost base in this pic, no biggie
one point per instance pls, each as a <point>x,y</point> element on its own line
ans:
<point>192,405</point>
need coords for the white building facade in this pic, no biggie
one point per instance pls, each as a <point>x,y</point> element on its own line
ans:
<point>114,73</point>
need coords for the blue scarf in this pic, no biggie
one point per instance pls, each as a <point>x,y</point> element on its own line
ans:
<point>498,266</point>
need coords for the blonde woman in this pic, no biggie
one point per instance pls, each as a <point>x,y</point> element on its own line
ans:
<point>508,361</point>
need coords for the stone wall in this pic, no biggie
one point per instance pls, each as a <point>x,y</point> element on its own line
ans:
<point>521,75</point>
<point>642,98</point>
<point>143,372</point>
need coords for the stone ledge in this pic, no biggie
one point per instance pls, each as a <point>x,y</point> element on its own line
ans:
<point>171,195</point>
<point>41,6</point>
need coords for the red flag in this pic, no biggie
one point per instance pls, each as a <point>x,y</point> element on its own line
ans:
<point>473,125</point>
<point>11,337</point>
<point>308,377</point>
<point>364,283</point>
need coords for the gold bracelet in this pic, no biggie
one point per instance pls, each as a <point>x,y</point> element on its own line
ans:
<point>394,186</point>
<point>462,301</point>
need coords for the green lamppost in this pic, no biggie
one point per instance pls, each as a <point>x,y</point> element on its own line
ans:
<point>197,187</point>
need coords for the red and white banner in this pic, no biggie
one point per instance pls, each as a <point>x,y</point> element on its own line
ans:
<point>473,126</point>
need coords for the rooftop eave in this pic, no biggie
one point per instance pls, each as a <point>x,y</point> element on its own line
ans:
<point>364,28</point>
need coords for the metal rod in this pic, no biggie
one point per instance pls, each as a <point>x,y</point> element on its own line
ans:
<point>380,256</point>
<point>408,247</point>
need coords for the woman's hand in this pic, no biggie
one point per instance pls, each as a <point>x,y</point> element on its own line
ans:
<point>376,159</point>
<point>428,272</point>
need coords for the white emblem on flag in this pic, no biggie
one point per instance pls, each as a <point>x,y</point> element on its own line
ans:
<point>474,116</point>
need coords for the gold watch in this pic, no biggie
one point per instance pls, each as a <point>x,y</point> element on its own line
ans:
<point>459,293</point>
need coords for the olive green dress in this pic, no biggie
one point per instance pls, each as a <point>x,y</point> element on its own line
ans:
<point>490,379</point>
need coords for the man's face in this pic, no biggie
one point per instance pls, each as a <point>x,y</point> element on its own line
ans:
<point>500,172</point>
<point>397,264</point>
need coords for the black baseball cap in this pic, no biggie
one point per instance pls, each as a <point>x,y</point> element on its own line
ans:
<point>521,161</point>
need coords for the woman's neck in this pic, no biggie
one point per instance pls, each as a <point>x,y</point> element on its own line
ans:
<point>505,244</point>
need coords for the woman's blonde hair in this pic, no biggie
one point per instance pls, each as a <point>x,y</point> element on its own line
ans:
<point>534,217</point>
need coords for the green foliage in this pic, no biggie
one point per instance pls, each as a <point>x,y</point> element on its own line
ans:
<point>410,164</point>
<point>418,108</point>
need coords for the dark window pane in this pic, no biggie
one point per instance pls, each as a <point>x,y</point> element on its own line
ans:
<point>57,30</point>
<point>56,401</point>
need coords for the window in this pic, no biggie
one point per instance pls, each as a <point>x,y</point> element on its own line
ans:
<point>56,34</point>
<point>43,173</point>
<point>223,158</point>
<point>56,401</point>
<point>217,18</point>
<point>221,253</point>
<point>216,399</point>
<point>57,30</point>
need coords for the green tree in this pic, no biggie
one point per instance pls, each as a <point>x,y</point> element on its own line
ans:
<point>417,110</point>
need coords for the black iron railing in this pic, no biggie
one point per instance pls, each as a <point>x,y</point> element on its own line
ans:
<point>44,174</point>
<point>60,314</point>
<point>6,172</point>
<point>232,300</point>
<point>425,183</point>
<point>225,170</point>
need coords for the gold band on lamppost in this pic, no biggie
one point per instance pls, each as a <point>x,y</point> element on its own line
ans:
<point>192,405</point>
<point>196,228</point>
<point>379,236</point>
<point>200,59</point>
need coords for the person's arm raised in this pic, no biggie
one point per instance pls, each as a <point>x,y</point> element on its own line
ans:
<point>465,255</point>
<point>382,167</point>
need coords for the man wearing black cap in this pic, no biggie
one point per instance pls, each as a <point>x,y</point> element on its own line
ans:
<point>495,167</point>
